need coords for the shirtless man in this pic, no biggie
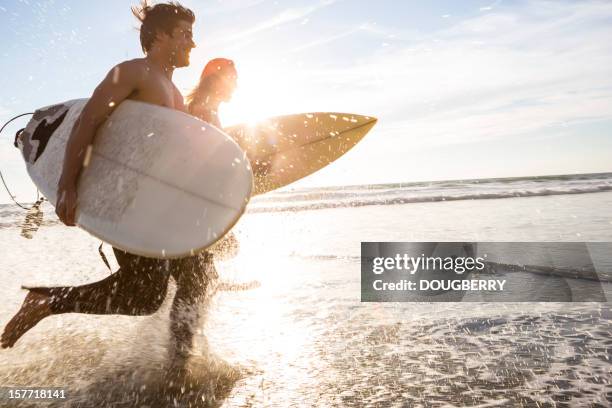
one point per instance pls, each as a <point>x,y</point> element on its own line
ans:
<point>139,286</point>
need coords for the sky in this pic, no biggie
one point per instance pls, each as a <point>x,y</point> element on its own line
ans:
<point>469,89</point>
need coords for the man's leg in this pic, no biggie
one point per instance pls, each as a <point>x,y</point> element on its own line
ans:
<point>137,288</point>
<point>195,278</point>
<point>35,307</point>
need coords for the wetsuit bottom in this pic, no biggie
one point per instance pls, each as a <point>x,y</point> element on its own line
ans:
<point>139,288</point>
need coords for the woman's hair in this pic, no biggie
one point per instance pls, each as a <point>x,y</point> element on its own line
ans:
<point>213,70</point>
<point>162,17</point>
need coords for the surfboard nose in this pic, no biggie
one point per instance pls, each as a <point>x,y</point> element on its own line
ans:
<point>364,123</point>
<point>348,125</point>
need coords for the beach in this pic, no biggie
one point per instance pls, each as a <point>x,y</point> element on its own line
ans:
<point>304,338</point>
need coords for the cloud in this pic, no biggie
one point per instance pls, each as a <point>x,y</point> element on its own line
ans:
<point>227,6</point>
<point>491,6</point>
<point>512,71</point>
<point>233,42</point>
<point>284,17</point>
<point>327,39</point>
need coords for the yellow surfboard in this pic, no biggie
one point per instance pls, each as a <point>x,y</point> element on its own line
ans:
<point>284,149</point>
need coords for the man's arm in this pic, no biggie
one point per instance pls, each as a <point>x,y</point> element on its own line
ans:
<point>120,82</point>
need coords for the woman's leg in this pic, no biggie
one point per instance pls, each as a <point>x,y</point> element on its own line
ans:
<point>195,278</point>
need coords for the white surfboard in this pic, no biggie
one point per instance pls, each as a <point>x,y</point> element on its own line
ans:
<point>159,183</point>
<point>284,149</point>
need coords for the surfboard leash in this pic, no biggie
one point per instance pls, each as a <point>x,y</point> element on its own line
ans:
<point>15,144</point>
<point>20,130</point>
<point>34,216</point>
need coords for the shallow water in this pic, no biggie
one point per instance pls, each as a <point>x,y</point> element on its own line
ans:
<point>303,338</point>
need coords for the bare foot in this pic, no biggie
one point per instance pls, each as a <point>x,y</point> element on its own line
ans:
<point>35,307</point>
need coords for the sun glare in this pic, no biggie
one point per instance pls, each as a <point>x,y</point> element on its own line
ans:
<point>261,93</point>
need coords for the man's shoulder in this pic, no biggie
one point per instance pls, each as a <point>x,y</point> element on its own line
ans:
<point>136,65</point>
<point>129,72</point>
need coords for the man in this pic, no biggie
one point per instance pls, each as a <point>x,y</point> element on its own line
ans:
<point>139,286</point>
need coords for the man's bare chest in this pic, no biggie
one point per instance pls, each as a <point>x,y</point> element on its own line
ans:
<point>158,91</point>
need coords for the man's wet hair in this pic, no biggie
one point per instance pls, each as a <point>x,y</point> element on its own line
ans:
<point>159,18</point>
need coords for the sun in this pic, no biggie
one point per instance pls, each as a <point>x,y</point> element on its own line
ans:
<point>261,93</point>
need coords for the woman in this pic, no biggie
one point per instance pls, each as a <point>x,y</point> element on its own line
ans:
<point>217,84</point>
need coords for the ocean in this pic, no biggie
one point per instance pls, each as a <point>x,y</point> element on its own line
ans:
<point>303,337</point>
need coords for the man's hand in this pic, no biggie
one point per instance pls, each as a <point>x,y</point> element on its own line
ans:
<point>66,205</point>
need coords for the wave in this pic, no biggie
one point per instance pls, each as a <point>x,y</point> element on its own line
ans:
<point>317,198</point>
<point>571,273</point>
<point>553,179</point>
<point>361,201</point>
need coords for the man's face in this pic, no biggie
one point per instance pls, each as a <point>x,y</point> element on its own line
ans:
<point>180,43</point>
